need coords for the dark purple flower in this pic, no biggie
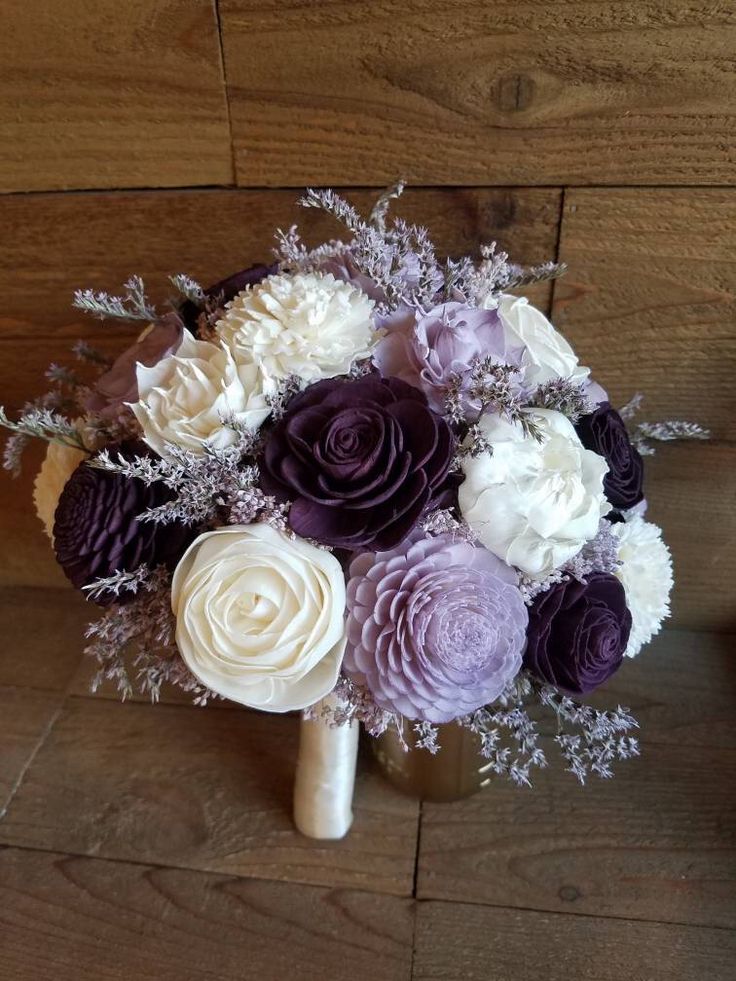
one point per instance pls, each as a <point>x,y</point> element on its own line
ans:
<point>436,627</point>
<point>604,432</point>
<point>118,385</point>
<point>578,633</point>
<point>360,459</point>
<point>96,531</point>
<point>226,289</point>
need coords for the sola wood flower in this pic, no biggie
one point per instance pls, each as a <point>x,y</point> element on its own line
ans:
<point>646,573</point>
<point>534,503</point>
<point>310,325</point>
<point>185,398</point>
<point>436,628</point>
<point>578,632</point>
<point>604,432</point>
<point>359,459</point>
<point>97,532</point>
<point>259,616</point>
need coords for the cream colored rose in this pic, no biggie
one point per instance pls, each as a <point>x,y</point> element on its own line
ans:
<point>309,324</point>
<point>184,398</point>
<point>546,354</point>
<point>260,616</point>
<point>59,464</point>
<point>534,504</point>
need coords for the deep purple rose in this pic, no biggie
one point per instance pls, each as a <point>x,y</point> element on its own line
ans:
<point>436,627</point>
<point>118,385</point>
<point>432,350</point>
<point>227,289</point>
<point>578,633</point>
<point>96,531</point>
<point>360,460</point>
<point>604,432</point>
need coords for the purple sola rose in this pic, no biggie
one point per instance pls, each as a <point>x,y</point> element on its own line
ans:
<point>578,632</point>
<point>431,350</point>
<point>436,628</point>
<point>604,432</point>
<point>360,460</point>
<point>96,531</point>
<point>118,385</point>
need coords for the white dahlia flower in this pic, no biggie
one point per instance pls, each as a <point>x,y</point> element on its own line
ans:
<point>308,324</point>
<point>646,574</point>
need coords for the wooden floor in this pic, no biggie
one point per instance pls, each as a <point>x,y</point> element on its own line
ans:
<point>145,842</point>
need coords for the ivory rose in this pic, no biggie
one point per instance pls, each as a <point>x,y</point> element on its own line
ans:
<point>185,397</point>
<point>534,503</point>
<point>547,356</point>
<point>59,464</point>
<point>260,616</point>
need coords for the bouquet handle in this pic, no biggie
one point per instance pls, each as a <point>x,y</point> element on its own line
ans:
<point>325,776</point>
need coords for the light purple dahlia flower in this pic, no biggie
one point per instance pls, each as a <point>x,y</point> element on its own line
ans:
<point>432,350</point>
<point>436,627</point>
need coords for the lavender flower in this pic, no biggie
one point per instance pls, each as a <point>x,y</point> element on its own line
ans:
<point>436,627</point>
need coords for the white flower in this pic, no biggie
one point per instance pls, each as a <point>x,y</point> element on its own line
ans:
<point>533,504</point>
<point>311,325</point>
<point>546,354</point>
<point>260,616</point>
<point>646,573</point>
<point>184,398</point>
<point>59,464</point>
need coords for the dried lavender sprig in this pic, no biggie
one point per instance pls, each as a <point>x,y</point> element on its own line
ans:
<point>126,582</point>
<point>85,352</point>
<point>426,736</point>
<point>631,408</point>
<point>188,288</point>
<point>381,207</point>
<point>44,424</point>
<point>133,306</point>
<point>526,276</point>
<point>60,375</point>
<point>564,396</point>
<point>667,431</point>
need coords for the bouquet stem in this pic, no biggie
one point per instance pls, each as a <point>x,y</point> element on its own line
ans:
<point>325,776</point>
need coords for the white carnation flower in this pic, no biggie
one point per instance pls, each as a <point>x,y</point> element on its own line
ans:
<point>646,574</point>
<point>533,504</point>
<point>546,356</point>
<point>260,616</point>
<point>185,397</point>
<point>311,325</point>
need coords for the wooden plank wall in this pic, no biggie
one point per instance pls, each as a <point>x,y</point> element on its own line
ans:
<point>157,136</point>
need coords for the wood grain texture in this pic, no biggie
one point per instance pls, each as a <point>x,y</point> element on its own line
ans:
<point>198,789</point>
<point>26,716</point>
<point>656,843</point>
<point>66,919</point>
<point>112,95</point>
<point>649,300</point>
<point>474,93</point>
<point>455,942</point>
<point>691,488</point>
<point>42,636</point>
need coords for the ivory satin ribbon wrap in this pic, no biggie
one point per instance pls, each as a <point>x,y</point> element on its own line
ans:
<point>325,776</point>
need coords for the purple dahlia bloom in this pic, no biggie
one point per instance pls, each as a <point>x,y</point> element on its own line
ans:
<point>436,628</point>
<point>96,531</point>
<point>604,432</point>
<point>119,384</point>
<point>430,350</point>
<point>578,632</point>
<point>360,460</point>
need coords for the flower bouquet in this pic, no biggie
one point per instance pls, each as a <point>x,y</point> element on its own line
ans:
<point>365,484</point>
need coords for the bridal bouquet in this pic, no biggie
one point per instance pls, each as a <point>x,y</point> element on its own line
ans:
<point>360,482</point>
